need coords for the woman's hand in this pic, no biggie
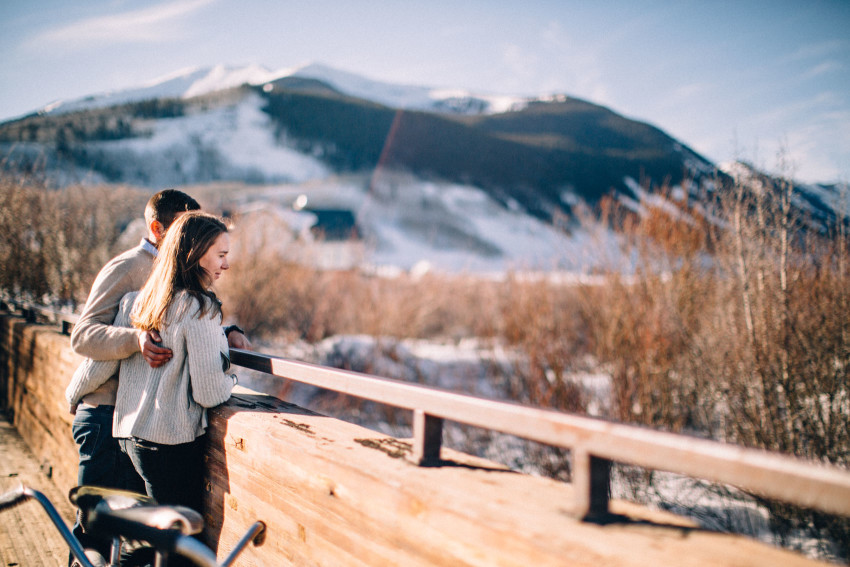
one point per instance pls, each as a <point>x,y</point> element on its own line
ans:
<point>236,339</point>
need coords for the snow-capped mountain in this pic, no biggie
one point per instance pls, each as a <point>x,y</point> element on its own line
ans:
<point>430,176</point>
<point>251,124</point>
<point>188,83</point>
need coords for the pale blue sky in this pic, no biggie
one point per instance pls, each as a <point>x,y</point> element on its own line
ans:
<point>732,79</point>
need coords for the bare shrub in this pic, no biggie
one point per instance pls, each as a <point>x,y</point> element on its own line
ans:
<point>53,242</point>
<point>543,321</point>
<point>22,266</point>
<point>792,288</point>
<point>642,325</point>
<point>736,330</point>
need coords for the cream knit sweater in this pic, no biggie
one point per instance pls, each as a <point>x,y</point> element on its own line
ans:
<point>168,404</point>
<point>94,336</point>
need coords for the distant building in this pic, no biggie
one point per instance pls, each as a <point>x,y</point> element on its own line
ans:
<point>333,224</point>
<point>323,238</point>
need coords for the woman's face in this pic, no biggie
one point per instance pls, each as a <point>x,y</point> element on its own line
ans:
<point>215,259</point>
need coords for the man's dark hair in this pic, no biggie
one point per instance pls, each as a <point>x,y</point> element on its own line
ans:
<point>167,204</point>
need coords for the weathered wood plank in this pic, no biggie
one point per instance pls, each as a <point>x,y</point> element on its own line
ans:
<point>39,412</point>
<point>336,493</point>
<point>782,477</point>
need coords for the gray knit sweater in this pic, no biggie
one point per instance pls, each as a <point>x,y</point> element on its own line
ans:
<point>168,404</point>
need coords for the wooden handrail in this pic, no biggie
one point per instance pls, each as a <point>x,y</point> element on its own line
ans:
<point>595,443</point>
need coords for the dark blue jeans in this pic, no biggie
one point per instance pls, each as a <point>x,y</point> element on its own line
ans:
<point>101,462</point>
<point>173,474</point>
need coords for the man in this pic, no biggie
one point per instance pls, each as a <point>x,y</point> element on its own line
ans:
<point>101,461</point>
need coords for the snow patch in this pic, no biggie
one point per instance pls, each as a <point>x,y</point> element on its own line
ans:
<point>411,97</point>
<point>236,138</point>
<point>183,84</point>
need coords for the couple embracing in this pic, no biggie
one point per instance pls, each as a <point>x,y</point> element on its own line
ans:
<point>157,357</point>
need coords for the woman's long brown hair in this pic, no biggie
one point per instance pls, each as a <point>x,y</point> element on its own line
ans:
<point>176,268</point>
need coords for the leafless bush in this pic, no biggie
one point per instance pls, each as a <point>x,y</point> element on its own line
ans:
<point>53,242</point>
<point>544,322</point>
<point>735,329</point>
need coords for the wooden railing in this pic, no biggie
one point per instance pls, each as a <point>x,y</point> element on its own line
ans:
<point>35,313</point>
<point>594,443</point>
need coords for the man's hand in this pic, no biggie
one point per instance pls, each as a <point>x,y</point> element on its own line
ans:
<point>154,354</point>
<point>235,339</point>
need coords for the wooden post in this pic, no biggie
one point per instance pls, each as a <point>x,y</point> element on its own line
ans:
<point>591,484</point>
<point>427,437</point>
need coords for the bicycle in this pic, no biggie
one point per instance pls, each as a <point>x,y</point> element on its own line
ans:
<point>127,517</point>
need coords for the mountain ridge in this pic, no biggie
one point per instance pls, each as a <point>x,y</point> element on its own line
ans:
<point>547,158</point>
<point>510,154</point>
<point>197,81</point>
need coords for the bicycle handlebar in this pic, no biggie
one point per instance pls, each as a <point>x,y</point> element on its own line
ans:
<point>124,523</point>
<point>12,498</point>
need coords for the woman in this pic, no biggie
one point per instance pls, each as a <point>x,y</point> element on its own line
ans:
<point>160,413</point>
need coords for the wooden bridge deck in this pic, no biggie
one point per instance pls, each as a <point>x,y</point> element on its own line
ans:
<point>27,536</point>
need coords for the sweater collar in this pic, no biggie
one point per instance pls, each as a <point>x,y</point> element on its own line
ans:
<point>146,244</point>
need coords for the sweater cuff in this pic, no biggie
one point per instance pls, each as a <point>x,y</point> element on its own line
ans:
<point>230,328</point>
